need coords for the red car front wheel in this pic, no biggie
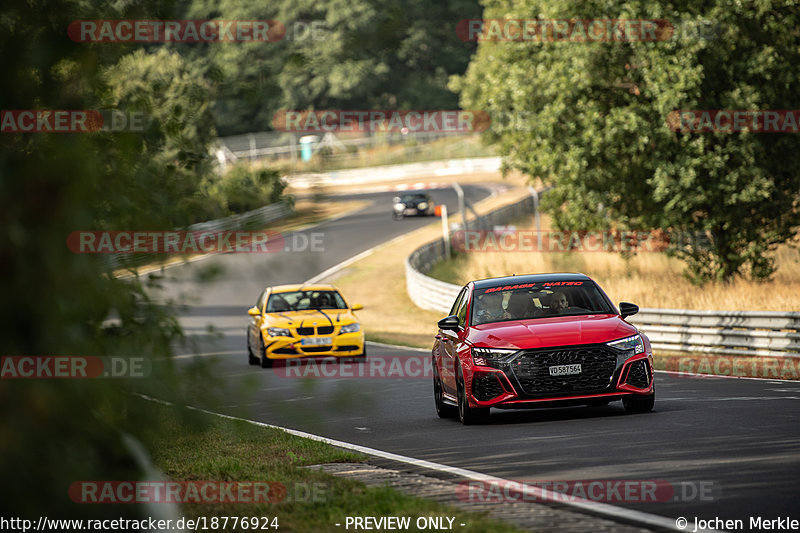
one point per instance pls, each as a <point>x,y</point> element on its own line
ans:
<point>466,414</point>
<point>443,410</point>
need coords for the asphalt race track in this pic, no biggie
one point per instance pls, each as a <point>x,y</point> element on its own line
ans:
<point>729,447</point>
<point>226,285</point>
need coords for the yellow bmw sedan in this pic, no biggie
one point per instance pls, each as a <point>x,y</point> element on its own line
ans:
<point>290,321</point>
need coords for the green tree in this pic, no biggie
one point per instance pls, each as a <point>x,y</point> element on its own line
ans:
<point>171,156</point>
<point>341,54</point>
<point>592,120</point>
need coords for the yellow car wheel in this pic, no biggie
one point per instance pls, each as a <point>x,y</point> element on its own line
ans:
<point>363,355</point>
<point>266,362</point>
<point>252,359</point>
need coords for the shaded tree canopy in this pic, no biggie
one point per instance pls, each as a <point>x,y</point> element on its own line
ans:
<point>592,120</point>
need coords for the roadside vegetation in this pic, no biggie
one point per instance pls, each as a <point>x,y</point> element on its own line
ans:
<point>241,188</point>
<point>599,122</point>
<point>197,446</point>
<point>649,279</point>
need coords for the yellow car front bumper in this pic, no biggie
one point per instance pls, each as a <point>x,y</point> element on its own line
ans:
<point>342,345</point>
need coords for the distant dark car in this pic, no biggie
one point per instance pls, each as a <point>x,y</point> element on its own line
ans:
<point>413,204</point>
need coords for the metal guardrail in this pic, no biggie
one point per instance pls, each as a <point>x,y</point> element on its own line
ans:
<point>445,167</point>
<point>757,333</point>
<point>250,220</point>
<point>254,219</point>
<point>424,291</point>
<point>746,333</point>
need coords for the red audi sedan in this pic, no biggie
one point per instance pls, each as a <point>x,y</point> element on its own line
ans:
<point>543,340</point>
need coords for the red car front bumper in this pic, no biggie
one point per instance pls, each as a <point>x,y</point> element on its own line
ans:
<point>508,393</point>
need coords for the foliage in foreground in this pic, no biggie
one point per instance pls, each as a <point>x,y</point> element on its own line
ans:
<point>199,447</point>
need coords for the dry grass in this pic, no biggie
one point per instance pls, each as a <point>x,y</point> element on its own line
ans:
<point>650,279</point>
<point>378,282</point>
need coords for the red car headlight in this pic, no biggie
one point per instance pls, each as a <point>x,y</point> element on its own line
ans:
<point>482,356</point>
<point>627,347</point>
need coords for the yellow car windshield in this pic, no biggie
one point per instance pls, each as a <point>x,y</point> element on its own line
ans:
<point>300,300</point>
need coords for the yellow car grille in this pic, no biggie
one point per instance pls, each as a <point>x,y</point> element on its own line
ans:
<point>321,330</point>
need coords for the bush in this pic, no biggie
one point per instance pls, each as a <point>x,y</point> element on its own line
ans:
<point>244,189</point>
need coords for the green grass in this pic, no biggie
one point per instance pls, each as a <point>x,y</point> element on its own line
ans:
<point>198,446</point>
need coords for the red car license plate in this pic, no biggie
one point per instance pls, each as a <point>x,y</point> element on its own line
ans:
<point>565,370</point>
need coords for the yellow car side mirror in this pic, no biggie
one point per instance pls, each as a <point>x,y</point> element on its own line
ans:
<point>357,307</point>
<point>254,311</point>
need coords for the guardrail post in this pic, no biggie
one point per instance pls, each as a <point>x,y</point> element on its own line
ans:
<point>445,233</point>
<point>461,207</point>
<point>252,139</point>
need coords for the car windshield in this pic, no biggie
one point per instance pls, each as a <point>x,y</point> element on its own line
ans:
<point>537,300</point>
<point>413,198</point>
<point>299,300</point>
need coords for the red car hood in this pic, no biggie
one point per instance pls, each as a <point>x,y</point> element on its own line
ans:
<point>554,331</point>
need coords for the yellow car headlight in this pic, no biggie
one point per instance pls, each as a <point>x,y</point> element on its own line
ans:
<point>278,332</point>
<point>350,328</point>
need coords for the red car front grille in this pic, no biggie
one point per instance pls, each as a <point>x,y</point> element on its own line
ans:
<point>532,370</point>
